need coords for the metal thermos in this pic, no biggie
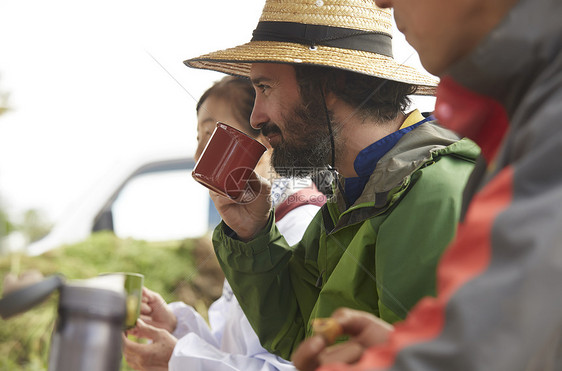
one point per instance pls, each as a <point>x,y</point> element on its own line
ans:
<point>91,316</point>
<point>87,334</point>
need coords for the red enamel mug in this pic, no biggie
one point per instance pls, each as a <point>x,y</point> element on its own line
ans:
<point>228,161</point>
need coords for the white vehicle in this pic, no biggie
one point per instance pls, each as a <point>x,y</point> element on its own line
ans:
<point>157,201</point>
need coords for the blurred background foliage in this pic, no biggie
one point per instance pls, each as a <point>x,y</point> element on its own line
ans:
<point>181,270</point>
<point>34,225</point>
<point>6,226</point>
<point>4,97</point>
<point>31,226</point>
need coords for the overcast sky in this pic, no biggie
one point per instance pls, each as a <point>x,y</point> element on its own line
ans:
<point>91,91</point>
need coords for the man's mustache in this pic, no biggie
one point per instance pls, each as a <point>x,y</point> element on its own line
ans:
<point>270,128</point>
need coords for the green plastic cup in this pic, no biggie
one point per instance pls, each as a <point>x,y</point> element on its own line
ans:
<point>133,287</point>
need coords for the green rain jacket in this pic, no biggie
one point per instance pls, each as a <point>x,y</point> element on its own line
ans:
<point>379,255</point>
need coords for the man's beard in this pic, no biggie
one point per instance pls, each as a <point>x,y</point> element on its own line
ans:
<point>306,146</point>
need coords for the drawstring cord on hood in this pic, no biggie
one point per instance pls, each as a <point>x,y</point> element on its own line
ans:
<point>332,164</point>
<point>332,167</point>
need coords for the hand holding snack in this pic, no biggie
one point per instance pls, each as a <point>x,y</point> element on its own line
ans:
<point>328,328</point>
<point>364,330</point>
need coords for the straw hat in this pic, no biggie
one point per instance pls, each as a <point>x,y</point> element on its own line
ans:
<point>347,34</point>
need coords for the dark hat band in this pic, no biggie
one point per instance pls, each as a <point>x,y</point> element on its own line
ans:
<point>312,34</point>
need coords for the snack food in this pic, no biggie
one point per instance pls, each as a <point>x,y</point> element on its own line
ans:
<point>328,328</point>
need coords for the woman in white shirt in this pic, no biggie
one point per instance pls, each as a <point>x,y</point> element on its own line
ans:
<point>180,338</point>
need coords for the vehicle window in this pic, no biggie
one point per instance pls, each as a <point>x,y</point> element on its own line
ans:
<point>161,206</point>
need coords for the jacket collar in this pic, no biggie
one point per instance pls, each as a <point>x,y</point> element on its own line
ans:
<point>481,94</point>
<point>511,57</point>
<point>475,116</point>
<point>408,155</point>
<point>366,161</point>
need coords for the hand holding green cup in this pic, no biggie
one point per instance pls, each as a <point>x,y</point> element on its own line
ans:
<point>133,283</point>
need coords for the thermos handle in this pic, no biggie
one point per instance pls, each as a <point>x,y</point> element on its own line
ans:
<point>26,298</point>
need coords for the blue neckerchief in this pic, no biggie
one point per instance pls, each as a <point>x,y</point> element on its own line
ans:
<point>366,162</point>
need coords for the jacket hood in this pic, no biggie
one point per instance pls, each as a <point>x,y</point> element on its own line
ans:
<point>411,152</point>
<point>515,54</point>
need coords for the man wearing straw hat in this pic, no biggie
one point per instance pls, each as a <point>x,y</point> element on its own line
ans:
<point>499,302</point>
<point>330,95</point>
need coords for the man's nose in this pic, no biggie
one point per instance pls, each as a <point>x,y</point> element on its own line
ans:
<point>258,117</point>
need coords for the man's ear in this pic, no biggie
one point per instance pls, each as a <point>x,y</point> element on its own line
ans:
<point>340,81</point>
<point>330,96</point>
<point>331,99</point>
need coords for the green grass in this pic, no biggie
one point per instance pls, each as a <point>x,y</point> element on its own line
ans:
<point>171,269</point>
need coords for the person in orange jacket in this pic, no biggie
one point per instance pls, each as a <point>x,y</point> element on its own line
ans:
<point>498,303</point>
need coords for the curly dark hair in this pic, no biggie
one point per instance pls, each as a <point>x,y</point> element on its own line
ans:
<point>240,92</point>
<point>372,96</point>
